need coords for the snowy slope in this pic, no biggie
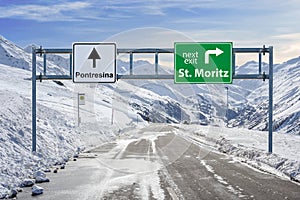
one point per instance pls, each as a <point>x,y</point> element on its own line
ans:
<point>14,56</point>
<point>250,67</point>
<point>62,61</point>
<point>56,139</point>
<point>199,103</point>
<point>286,101</point>
<point>248,99</point>
<point>287,96</point>
<point>58,135</point>
<point>112,109</point>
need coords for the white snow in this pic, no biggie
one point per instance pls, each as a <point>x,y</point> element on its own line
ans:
<point>237,190</point>
<point>208,167</point>
<point>27,182</point>
<point>286,100</point>
<point>252,147</point>
<point>37,190</point>
<point>115,110</point>
<point>58,137</point>
<point>125,171</point>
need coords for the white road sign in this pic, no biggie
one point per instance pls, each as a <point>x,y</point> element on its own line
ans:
<point>94,62</point>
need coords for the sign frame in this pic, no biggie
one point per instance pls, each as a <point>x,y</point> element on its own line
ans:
<point>93,45</point>
<point>43,76</point>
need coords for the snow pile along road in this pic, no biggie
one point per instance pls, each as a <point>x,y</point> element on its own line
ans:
<point>56,139</point>
<point>257,158</point>
<point>250,147</point>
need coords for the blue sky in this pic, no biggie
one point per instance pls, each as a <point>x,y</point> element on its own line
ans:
<point>246,23</point>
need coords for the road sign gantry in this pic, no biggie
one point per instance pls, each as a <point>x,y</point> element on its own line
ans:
<point>156,51</point>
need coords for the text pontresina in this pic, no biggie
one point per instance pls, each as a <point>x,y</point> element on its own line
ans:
<point>94,75</point>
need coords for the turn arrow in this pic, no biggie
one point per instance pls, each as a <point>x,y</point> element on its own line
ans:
<point>216,52</point>
<point>94,56</point>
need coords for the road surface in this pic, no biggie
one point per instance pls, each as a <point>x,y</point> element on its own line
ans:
<point>157,163</point>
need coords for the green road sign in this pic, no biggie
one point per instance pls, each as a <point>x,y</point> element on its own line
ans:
<point>203,62</point>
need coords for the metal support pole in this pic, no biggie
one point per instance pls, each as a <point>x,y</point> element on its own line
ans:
<point>270,99</point>
<point>78,109</point>
<point>233,64</point>
<point>45,64</point>
<point>131,63</point>
<point>71,65</point>
<point>33,99</point>
<point>226,106</point>
<point>156,63</point>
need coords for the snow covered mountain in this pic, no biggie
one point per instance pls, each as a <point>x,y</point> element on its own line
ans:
<point>59,135</point>
<point>248,99</point>
<point>14,56</point>
<point>111,109</point>
<point>254,114</point>
<point>58,60</point>
<point>186,103</point>
<point>250,67</point>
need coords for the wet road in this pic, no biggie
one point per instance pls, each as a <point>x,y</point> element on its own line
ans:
<point>157,163</point>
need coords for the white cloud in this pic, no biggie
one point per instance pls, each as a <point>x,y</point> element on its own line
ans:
<point>287,46</point>
<point>246,23</point>
<point>43,12</point>
<point>287,37</point>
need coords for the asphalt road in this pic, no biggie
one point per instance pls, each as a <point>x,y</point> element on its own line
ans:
<point>156,163</point>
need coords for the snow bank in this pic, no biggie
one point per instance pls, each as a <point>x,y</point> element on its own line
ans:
<point>291,168</point>
<point>55,140</point>
<point>58,135</point>
<point>37,190</point>
<point>251,146</point>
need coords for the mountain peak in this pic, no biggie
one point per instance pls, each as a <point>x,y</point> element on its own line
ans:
<point>14,56</point>
<point>28,48</point>
<point>3,39</point>
<point>293,61</point>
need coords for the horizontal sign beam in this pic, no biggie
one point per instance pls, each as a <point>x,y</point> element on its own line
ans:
<point>53,51</point>
<point>151,50</point>
<point>171,76</point>
<point>251,50</point>
<point>251,76</point>
<point>53,77</point>
<point>161,76</point>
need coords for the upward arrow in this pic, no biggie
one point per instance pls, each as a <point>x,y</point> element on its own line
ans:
<point>94,56</point>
